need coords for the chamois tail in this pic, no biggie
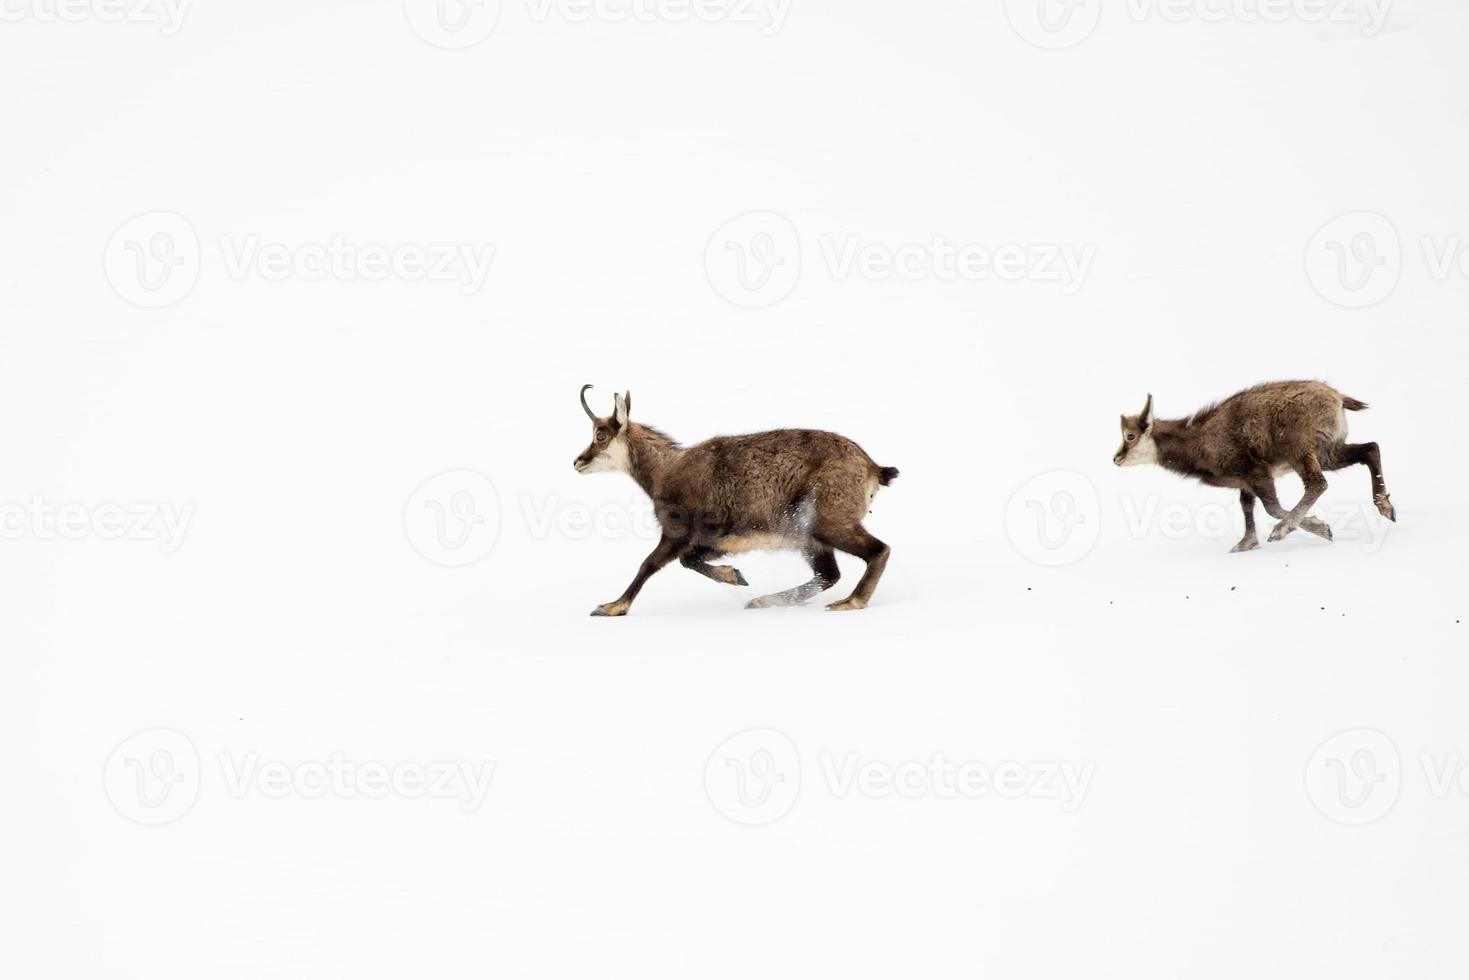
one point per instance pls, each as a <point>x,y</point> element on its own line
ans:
<point>887,475</point>
<point>1352,404</point>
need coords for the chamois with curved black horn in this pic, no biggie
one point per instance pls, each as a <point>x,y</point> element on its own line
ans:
<point>1252,437</point>
<point>796,489</point>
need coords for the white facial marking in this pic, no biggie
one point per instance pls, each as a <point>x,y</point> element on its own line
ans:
<point>1143,451</point>
<point>613,459</point>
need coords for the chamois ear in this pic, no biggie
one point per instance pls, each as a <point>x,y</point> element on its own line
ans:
<point>627,402</point>
<point>1147,416</point>
<point>619,410</point>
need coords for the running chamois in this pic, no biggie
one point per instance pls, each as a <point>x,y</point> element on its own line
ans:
<point>796,489</point>
<point>1249,439</point>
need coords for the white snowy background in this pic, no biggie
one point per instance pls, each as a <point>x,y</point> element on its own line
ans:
<point>1266,751</point>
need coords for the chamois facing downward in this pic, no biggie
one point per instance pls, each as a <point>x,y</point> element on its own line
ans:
<point>1249,439</point>
<point>796,489</point>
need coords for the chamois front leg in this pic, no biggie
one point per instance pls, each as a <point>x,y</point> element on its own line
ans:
<point>668,549</point>
<point>698,561</point>
<point>1265,490</point>
<point>1315,483</point>
<point>1251,540</point>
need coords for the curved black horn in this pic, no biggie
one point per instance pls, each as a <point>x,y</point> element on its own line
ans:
<point>590,414</point>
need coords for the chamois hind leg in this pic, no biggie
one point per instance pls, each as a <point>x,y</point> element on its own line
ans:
<point>824,573</point>
<point>1309,469</point>
<point>1251,540</point>
<point>1369,456</point>
<point>698,560</point>
<point>856,541</point>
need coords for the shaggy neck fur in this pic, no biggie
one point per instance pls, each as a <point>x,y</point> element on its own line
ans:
<point>649,452</point>
<point>1180,445</point>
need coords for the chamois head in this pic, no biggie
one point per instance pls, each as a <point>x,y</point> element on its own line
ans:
<point>608,452</point>
<point>1137,446</point>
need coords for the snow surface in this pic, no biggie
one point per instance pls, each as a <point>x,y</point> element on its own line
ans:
<point>295,423</point>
